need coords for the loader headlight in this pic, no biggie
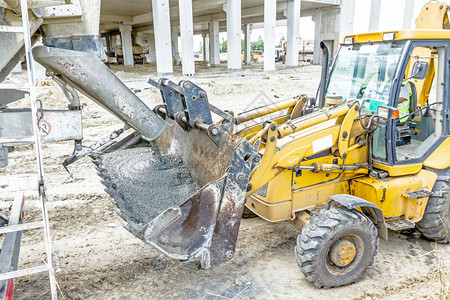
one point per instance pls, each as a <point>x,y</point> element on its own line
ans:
<point>389,36</point>
<point>349,41</point>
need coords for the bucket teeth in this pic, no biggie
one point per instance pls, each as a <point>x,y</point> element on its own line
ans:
<point>136,229</point>
<point>104,176</point>
<point>120,202</point>
<point>97,162</point>
<point>127,227</point>
<point>120,214</point>
<point>113,201</point>
<point>106,183</point>
<point>112,192</point>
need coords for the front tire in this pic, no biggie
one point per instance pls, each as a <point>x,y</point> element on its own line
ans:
<point>435,224</point>
<point>336,247</point>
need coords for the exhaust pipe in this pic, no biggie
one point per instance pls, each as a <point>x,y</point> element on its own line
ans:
<point>90,76</point>
<point>324,74</point>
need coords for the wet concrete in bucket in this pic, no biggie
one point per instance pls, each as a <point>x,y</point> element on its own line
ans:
<point>144,183</point>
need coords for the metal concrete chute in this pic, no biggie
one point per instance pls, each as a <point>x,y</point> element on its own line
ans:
<point>91,76</point>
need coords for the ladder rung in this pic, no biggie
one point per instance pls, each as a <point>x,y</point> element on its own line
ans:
<point>14,183</point>
<point>14,141</point>
<point>10,86</point>
<point>14,29</point>
<point>20,227</point>
<point>24,272</point>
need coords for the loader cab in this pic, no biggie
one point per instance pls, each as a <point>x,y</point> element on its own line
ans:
<point>405,77</point>
<point>413,130</point>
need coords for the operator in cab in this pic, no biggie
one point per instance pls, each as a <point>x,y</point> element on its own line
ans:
<point>405,96</point>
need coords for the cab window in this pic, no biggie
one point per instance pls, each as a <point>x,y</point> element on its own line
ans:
<point>419,102</point>
<point>364,72</point>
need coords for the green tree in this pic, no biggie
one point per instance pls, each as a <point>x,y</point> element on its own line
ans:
<point>258,45</point>
<point>223,46</point>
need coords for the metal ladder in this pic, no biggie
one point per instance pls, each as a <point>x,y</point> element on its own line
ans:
<point>27,181</point>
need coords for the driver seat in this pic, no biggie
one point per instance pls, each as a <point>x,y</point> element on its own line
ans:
<point>413,100</point>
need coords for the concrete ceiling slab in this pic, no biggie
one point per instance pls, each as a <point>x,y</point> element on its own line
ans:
<point>139,12</point>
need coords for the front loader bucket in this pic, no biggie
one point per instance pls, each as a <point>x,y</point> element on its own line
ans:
<point>184,194</point>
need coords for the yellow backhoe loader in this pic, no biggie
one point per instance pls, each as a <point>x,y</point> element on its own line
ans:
<point>371,153</point>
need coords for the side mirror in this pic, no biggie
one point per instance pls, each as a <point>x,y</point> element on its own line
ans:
<point>419,70</point>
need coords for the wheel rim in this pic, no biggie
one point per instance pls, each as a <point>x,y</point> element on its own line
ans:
<point>345,254</point>
<point>342,252</point>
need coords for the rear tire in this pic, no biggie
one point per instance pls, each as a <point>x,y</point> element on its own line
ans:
<point>336,247</point>
<point>435,224</point>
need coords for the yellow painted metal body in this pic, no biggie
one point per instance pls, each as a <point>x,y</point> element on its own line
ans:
<point>440,158</point>
<point>289,191</point>
<point>399,170</point>
<point>433,16</point>
<point>395,195</point>
<point>280,189</point>
<point>416,34</point>
<point>307,158</point>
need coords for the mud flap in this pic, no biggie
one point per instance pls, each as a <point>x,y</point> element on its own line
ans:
<point>205,227</point>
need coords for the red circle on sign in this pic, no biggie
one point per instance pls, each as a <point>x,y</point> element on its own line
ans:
<point>44,128</point>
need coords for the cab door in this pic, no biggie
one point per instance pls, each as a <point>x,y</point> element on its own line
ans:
<point>420,130</point>
<point>401,145</point>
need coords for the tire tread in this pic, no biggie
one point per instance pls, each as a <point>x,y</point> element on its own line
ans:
<point>433,224</point>
<point>309,241</point>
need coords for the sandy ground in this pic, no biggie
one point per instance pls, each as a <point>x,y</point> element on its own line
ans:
<point>96,258</point>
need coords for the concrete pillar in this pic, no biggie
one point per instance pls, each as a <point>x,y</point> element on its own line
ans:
<point>293,22</point>
<point>175,51</point>
<point>89,25</point>
<point>163,42</point>
<point>408,16</point>
<point>108,42</point>
<point>205,45</point>
<point>208,57</point>
<point>127,46</point>
<point>247,32</point>
<point>317,18</point>
<point>374,19</point>
<point>233,9</point>
<point>270,19</point>
<point>147,39</point>
<point>214,50</point>
<point>346,18</point>
<point>187,37</point>
<point>113,43</point>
